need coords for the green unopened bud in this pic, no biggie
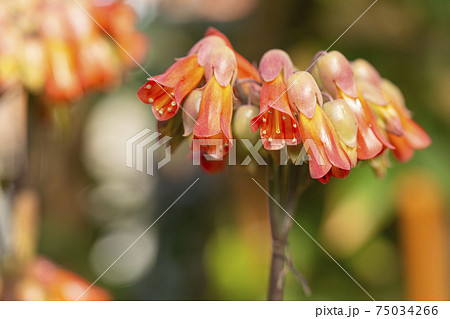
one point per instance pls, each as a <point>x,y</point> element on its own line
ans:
<point>343,120</point>
<point>241,123</point>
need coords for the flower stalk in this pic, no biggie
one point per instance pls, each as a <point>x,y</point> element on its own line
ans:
<point>286,183</point>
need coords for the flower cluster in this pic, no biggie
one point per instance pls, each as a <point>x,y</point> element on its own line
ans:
<point>213,65</point>
<point>56,49</point>
<point>341,112</point>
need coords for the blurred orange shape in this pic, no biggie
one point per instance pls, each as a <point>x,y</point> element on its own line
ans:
<point>46,281</point>
<point>424,236</point>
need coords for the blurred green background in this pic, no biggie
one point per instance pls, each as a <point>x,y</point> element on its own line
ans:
<point>214,243</point>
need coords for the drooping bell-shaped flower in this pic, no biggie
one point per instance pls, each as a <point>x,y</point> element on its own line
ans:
<point>216,105</point>
<point>276,120</point>
<point>326,155</point>
<point>334,74</point>
<point>414,136</point>
<point>167,91</point>
<point>368,83</point>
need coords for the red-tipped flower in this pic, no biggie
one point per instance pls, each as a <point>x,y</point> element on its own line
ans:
<point>326,156</point>
<point>388,102</point>
<point>334,73</point>
<point>216,105</point>
<point>276,121</point>
<point>414,136</point>
<point>167,91</point>
<point>368,82</point>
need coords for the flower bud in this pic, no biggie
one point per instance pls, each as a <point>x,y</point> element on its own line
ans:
<point>393,93</point>
<point>335,72</point>
<point>273,62</point>
<point>370,92</point>
<point>204,47</point>
<point>343,120</point>
<point>387,115</point>
<point>364,71</point>
<point>241,119</point>
<point>191,108</point>
<point>303,93</point>
<point>222,63</point>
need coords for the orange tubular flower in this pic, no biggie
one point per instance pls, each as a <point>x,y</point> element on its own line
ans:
<point>334,74</point>
<point>414,137</point>
<point>216,105</point>
<point>276,121</point>
<point>165,92</point>
<point>326,156</point>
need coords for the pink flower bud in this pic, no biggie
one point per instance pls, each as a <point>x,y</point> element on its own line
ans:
<point>303,93</point>
<point>394,94</point>
<point>204,47</point>
<point>273,62</point>
<point>370,92</point>
<point>335,72</point>
<point>222,63</point>
<point>364,71</point>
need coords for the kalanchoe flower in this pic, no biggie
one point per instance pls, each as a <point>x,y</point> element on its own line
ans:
<point>56,51</point>
<point>334,74</point>
<point>326,155</point>
<point>346,126</point>
<point>167,91</point>
<point>388,102</point>
<point>276,121</point>
<point>368,82</point>
<point>414,137</point>
<point>216,105</point>
<point>245,69</point>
